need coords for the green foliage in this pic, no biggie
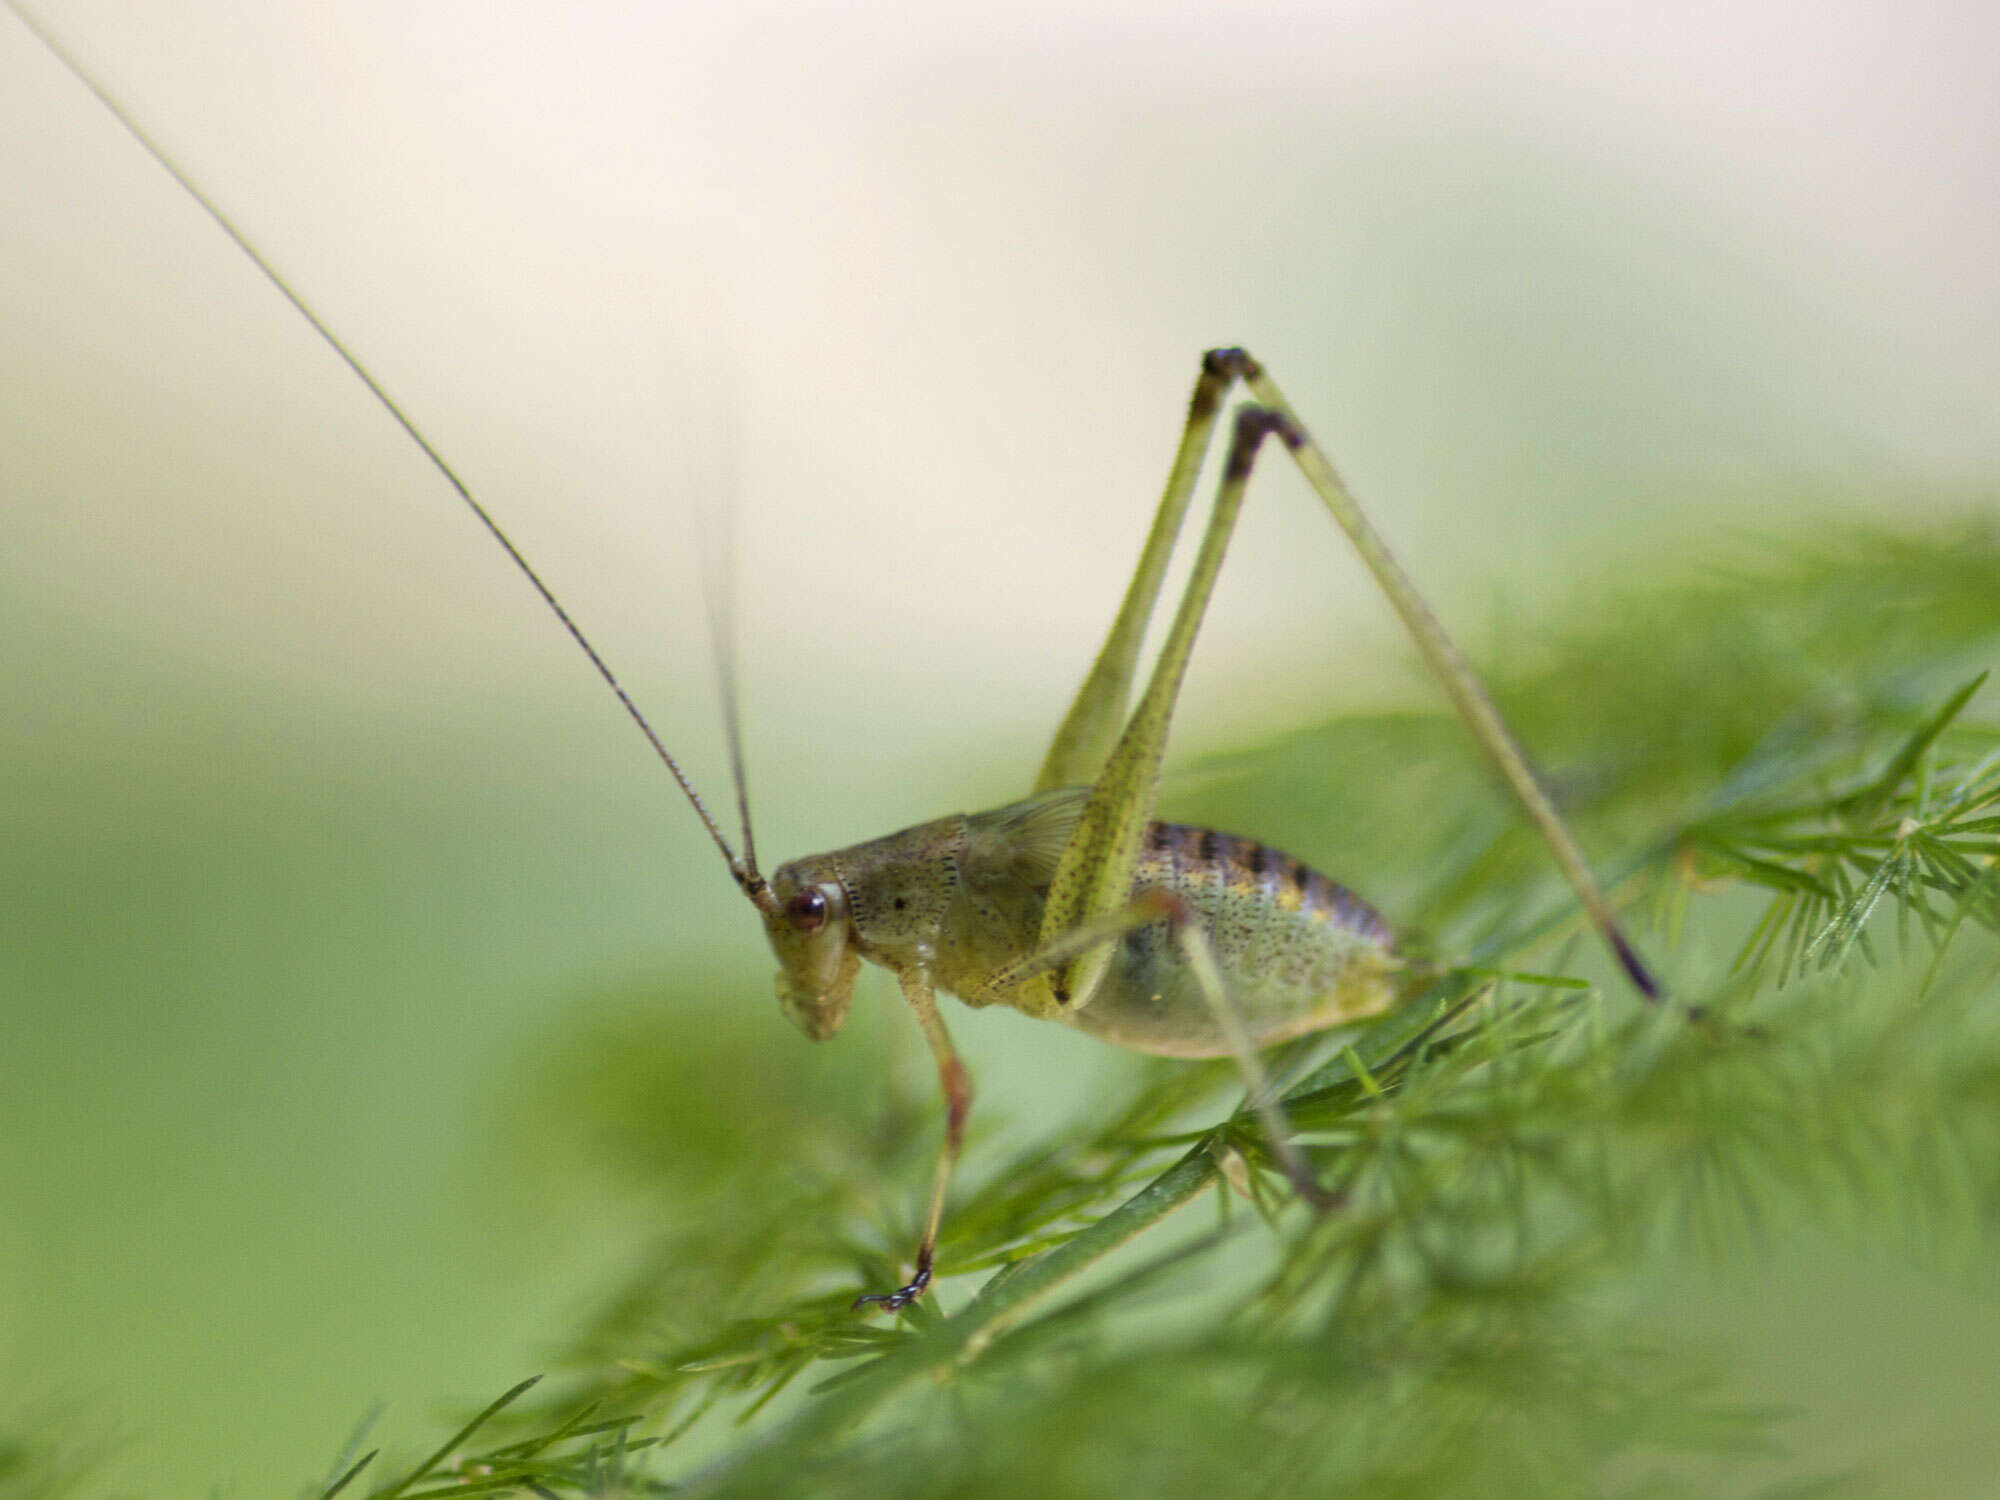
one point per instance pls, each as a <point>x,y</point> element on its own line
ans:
<point>1778,771</point>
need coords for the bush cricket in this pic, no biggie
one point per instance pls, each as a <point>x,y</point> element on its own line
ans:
<point>1075,905</point>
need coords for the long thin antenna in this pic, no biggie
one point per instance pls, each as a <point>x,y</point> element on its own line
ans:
<point>720,587</point>
<point>744,872</point>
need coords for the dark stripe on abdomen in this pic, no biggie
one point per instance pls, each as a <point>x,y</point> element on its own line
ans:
<point>1202,858</point>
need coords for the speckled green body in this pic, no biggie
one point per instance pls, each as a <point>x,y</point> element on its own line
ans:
<point>963,898</point>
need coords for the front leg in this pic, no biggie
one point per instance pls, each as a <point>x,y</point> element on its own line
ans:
<point>957,1086</point>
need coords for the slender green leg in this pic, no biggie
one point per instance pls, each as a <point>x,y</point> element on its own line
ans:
<point>1091,901</point>
<point>957,1086</point>
<point>1093,879</point>
<point>1270,1109</point>
<point>1091,726</point>
<point>1445,660</point>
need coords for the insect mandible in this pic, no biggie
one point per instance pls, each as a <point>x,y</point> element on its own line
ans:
<point>1075,905</point>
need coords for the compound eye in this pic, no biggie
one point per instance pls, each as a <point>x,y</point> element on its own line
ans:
<point>807,910</point>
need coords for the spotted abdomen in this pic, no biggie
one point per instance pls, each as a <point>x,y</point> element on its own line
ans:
<point>1297,951</point>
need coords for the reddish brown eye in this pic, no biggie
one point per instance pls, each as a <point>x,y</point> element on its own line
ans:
<point>807,911</point>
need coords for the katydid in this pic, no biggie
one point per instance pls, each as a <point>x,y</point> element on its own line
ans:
<point>1074,905</point>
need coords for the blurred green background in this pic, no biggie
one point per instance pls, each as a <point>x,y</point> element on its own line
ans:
<point>319,839</point>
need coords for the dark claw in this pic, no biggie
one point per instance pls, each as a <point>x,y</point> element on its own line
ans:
<point>902,1297</point>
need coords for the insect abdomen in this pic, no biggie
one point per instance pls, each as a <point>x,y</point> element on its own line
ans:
<point>1297,951</point>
